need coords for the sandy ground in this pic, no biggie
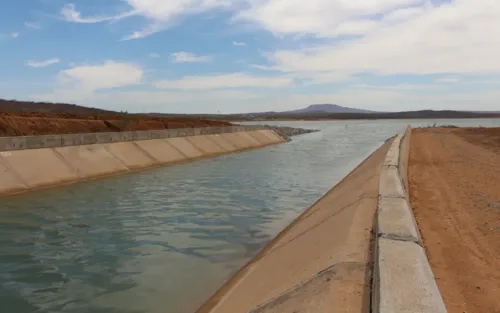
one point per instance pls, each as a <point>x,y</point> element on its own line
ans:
<point>321,262</point>
<point>454,178</point>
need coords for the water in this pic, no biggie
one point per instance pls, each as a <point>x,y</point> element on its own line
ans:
<point>164,240</point>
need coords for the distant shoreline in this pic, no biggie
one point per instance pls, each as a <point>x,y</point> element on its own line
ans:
<point>358,118</point>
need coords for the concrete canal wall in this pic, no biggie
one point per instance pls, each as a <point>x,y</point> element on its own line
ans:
<point>356,250</point>
<point>33,162</point>
<point>321,262</point>
<point>403,280</point>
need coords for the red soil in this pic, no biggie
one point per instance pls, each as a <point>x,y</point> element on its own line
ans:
<point>454,180</point>
<point>25,124</point>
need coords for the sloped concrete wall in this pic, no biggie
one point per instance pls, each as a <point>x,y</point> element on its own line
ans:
<point>37,168</point>
<point>403,281</point>
<point>131,154</point>
<point>53,141</point>
<point>320,262</point>
<point>34,162</point>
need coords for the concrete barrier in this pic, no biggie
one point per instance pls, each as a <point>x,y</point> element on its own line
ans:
<point>40,161</point>
<point>403,281</point>
<point>54,141</point>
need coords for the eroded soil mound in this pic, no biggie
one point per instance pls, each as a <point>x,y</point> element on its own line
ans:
<point>25,124</point>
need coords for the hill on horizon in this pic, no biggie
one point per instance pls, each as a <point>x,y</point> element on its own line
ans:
<point>327,108</point>
<point>15,106</point>
<point>49,107</point>
<point>312,112</point>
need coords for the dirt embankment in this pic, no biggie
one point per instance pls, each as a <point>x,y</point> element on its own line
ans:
<point>25,124</point>
<point>454,179</point>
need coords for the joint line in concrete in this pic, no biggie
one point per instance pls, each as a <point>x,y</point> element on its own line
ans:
<point>400,238</point>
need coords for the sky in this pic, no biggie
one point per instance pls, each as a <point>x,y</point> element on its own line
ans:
<point>232,56</point>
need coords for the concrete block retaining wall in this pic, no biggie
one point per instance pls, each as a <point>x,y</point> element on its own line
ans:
<point>403,281</point>
<point>40,161</point>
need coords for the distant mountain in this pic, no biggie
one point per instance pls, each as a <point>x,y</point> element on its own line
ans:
<point>327,108</point>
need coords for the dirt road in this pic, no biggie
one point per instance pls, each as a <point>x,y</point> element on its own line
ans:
<point>454,180</point>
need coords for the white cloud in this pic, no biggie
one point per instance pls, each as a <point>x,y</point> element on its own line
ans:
<point>237,43</point>
<point>188,57</point>
<point>32,25</point>
<point>111,74</point>
<point>407,13</point>
<point>453,38</point>
<point>162,14</point>
<point>79,84</point>
<point>43,63</point>
<point>69,13</point>
<point>317,17</point>
<point>447,80</point>
<point>399,86</point>
<point>166,10</point>
<point>145,32</point>
<point>235,80</point>
<point>355,27</point>
<point>262,67</point>
<point>14,35</point>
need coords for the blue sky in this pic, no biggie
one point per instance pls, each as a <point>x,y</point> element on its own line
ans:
<point>252,55</point>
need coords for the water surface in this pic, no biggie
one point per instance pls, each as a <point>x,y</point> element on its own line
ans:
<point>164,240</point>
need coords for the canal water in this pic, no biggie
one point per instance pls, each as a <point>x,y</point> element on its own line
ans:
<point>163,240</point>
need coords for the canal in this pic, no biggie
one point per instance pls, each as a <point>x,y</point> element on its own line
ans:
<point>163,240</point>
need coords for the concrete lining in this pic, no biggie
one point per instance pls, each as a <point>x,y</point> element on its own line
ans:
<point>223,143</point>
<point>249,141</point>
<point>40,161</point>
<point>10,182</point>
<point>91,160</point>
<point>131,155</point>
<point>260,137</point>
<point>403,281</point>
<point>186,147</point>
<point>205,145</point>
<point>271,134</point>
<point>37,168</point>
<point>161,151</point>
<point>321,262</point>
<point>235,140</point>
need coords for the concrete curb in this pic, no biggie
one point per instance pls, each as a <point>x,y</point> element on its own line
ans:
<point>403,281</point>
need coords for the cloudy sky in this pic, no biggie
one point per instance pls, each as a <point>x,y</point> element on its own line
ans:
<point>252,55</point>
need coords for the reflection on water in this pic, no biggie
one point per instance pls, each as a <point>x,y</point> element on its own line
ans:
<point>163,240</point>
